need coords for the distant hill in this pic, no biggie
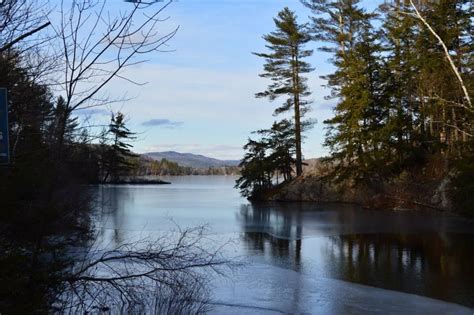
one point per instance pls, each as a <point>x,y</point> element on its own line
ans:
<point>191,160</point>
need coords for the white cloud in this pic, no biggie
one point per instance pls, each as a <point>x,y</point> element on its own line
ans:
<point>218,106</point>
<point>162,122</point>
<point>183,93</point>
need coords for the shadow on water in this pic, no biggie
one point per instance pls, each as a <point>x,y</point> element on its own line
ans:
<point>430,256</point>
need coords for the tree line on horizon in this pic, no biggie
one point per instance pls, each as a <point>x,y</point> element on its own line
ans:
<point>147,166</point>
<point>402,79</point>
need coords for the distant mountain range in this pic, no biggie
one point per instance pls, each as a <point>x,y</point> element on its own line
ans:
<point>191,160</point>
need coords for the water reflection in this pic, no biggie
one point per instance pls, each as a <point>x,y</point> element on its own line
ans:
<point>276,232</point>
<point>434,265</point>
<point>111,211</point>
<point>433,262</point>
<point>294,251</point>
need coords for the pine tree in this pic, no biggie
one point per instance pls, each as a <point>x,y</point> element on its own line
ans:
<point>336,23</point>
<point>404,130</point>
<point>116,160</point>
<point>285,66</point>
<point>64,126</point>
<point>268,157</point>
<point>256,172</point>
<point>355,134</point>
<point>281,145</point>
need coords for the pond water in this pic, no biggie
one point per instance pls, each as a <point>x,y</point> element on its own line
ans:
<point>308,258</point>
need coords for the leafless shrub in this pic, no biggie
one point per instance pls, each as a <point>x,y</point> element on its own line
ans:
<point>159,276</point>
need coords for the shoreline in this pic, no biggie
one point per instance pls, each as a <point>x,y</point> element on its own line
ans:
<point>139,182</point>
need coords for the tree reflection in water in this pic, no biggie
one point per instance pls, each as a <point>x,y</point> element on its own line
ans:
<point>111,208</point>
<point>429,264</point>
<point>428,258</point>
<point>275,231</point>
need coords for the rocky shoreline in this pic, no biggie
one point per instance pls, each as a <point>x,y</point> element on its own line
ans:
<point>408,192</point>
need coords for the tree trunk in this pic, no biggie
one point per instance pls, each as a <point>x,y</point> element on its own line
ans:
<point>296,99</point>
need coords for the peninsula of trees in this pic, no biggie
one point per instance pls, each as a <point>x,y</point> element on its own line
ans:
<point>403,120</point>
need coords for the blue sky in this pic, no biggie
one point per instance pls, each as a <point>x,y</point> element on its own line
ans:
<point>200,97</point>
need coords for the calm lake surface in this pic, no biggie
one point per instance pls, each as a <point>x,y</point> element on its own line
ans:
<point>308,258</point>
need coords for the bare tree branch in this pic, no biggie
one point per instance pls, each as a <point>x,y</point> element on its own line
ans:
<point>446,51</point>
<point>158,274</point>
<point>23,36</point>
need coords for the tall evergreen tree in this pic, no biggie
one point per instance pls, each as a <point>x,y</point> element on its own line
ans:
<point>336,23</point>
<point>284,66</point>
<point>116,160</point>
<point>355,133</point>
<point>402,65</point>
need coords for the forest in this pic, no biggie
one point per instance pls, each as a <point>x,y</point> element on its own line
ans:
<point>146,166</point>
<point>403,121</point>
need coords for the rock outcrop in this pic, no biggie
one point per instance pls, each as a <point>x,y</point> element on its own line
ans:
<point>406,192</point>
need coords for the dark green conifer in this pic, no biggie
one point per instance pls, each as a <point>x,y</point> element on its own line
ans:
<point>116,160</point>
<point>284,66</point>
<point>355,133</point>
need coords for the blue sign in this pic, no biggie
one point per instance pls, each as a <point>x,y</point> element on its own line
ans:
<point>4,145</point>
